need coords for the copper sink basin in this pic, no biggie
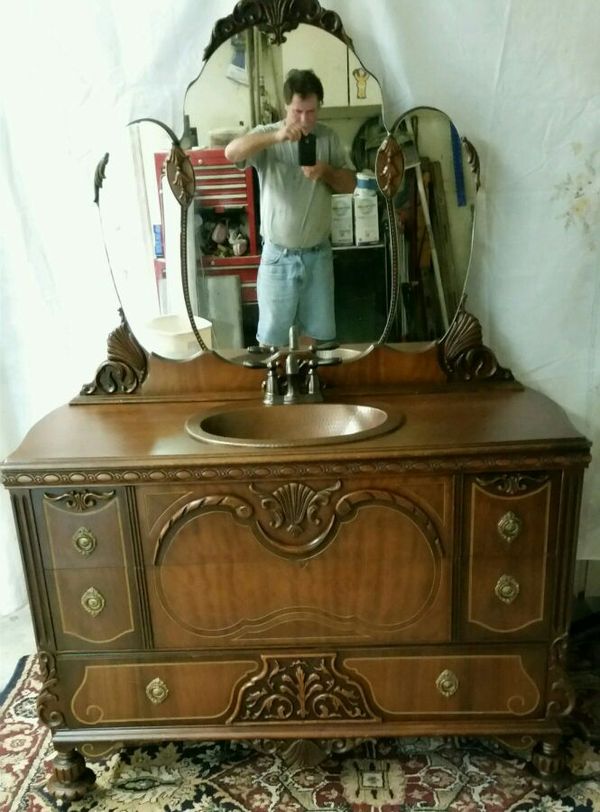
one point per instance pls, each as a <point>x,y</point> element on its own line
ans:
<point>300,424</point>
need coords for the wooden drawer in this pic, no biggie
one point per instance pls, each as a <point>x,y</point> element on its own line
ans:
<point>510,684</point>
<point>153,693</point>
<point>300,688</point>
<point>93,609</point>
<point>508,559</point>
<point>81,528</point>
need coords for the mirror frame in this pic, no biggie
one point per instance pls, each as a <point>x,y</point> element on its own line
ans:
<point>275,18</point>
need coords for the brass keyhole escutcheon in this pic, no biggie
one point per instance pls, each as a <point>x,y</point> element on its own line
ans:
<point>85,541</point>
<point>157,691</point>
<point>93,601</point>
<point>507,588</point>
<point>447,683</point>
<point>510,526</point>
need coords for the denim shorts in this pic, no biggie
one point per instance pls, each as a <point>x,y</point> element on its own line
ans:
<point>295,286</point>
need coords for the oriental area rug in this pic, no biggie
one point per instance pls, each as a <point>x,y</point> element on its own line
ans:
<point>446,774</point>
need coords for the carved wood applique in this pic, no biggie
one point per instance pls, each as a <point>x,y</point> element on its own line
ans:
<point>79,501</point>
<point>298,523</point>
<point>275,18</point>
<point>47,701</point>
<point>511,484</point>
<point>561,692</point>
<point>463,355</point>
<point>126,367</point>
<point>294,689</point>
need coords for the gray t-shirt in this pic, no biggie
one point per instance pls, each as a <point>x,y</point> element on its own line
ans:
<point>295,212</point>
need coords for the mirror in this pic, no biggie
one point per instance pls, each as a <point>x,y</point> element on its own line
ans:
<point>240,86</point>
<point>140,218</point>
<point>163,194</point>
<point>435,215</point>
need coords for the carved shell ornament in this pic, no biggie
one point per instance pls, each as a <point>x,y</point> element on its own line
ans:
<point>463,354</point>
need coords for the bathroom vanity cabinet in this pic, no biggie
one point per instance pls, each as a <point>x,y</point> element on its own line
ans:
<point>413,583</point>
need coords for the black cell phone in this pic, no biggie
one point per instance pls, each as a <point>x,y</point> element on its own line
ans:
<point>307,150</point>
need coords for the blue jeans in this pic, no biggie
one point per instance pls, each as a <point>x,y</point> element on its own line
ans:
<point>295,286</point>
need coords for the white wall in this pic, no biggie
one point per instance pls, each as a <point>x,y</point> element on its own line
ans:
<point>519,77</point>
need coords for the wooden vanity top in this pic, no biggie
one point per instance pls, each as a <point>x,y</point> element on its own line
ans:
<point>451,423</point>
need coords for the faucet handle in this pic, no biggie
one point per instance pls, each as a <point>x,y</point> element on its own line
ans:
<point>293,337</point>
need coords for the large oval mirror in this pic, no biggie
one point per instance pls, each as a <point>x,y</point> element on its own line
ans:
<point>241,86</point>
<point>435,214</point>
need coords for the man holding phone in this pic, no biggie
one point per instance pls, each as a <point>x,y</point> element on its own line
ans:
<point>300,164</point>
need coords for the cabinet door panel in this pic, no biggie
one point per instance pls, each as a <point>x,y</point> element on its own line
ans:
<point>369,564</point>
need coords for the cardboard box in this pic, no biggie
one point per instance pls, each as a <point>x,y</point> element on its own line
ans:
<point>342,231</point>
<point>366,219</point>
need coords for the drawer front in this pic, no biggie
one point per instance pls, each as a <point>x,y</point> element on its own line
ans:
<point>494,685</point>
<point>82,528</point>
<point>314,563</point>
<point>93,608</point>
<point>508,560</point>
<point>304,688</point>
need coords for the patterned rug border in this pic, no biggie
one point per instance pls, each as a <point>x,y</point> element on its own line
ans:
<point>434,774</point>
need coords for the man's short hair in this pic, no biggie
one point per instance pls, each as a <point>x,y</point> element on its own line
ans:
<point>304,83</point>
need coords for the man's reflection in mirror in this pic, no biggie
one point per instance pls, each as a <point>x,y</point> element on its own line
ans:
<point>300,163</point>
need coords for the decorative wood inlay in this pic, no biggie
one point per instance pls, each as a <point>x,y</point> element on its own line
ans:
<point>509,526</point>
<point>47,701</point>
<point>126,367</point>
<point>84,541</point>
<point>275,18</point>
<point>561,693</point>
<point>79,501</point>
<point>513,483</point>
<point>157,691</point>
<point>463,355</point>
<point>294,505</point>
<point>307,689</point>
<point>447,683</point>
<point>507,589</point>
<point>93,601</point>
<point>194,473</point>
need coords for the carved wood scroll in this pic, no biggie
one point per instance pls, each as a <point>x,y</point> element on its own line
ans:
<point>463,355</point>
<point>275,18</point>
<point>304,689</point>
<point>126,367</point>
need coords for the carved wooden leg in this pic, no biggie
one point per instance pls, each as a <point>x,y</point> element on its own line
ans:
<point>71,778</point>
<point>548,760</point>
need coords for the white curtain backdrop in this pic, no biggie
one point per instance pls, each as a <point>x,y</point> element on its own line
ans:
<point>518,77</point>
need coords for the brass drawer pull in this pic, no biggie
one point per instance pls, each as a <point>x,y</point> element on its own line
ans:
<point>447,683</point>
<point>510,526</point>
<point>93,601</point>
<point>85,541</point>
<point>507,588</point>
<point>157,691</point>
